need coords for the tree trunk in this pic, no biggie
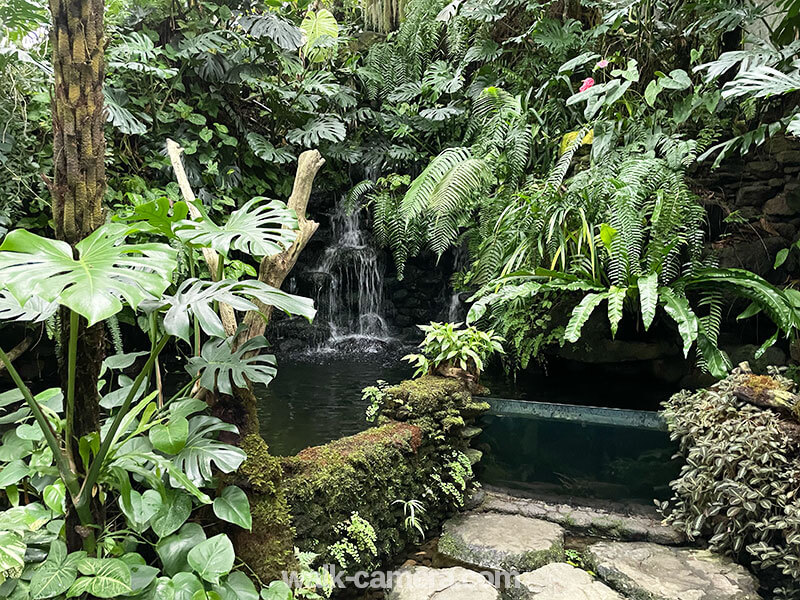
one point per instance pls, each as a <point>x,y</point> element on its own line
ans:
<point>79,183</point>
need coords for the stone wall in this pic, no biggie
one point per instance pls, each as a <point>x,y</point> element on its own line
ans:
<point>418,451</point>
<point>754,207</point>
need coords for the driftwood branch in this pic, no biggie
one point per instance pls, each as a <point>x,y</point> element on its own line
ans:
<point>211,257</point>
<point>273,270</point>
<point>17,351</point>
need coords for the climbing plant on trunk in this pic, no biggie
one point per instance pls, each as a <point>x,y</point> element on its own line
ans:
<point>79,183</point>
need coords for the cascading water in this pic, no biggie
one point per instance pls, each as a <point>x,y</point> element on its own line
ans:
<point>350,286</point>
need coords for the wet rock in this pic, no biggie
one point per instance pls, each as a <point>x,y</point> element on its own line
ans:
<point>644,525</point>
<point>475,499</point>
<point>645,571</point>
<point>456,583</point>
<point>497,541</point>
<point>560,581</point>
<point>778,206</point>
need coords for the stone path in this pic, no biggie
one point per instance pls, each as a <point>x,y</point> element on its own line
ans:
<point>527,538</point>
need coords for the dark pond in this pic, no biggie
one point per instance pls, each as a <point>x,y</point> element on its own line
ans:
<point>315,399</point>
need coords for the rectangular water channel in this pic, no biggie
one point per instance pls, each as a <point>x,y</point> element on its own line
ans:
<point>576,451</point>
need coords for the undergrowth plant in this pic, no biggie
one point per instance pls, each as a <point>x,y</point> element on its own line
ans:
<point>110,514</point>
<point>446,345</point>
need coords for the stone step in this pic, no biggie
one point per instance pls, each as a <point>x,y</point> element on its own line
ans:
<point>489,541</point>
<point>560,581</point>
<point>616,524</point>
<point>455,583</point>
<point>646,571</point>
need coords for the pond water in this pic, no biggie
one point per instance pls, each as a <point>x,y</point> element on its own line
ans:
<point>317,398</point>
<point>587,460</point>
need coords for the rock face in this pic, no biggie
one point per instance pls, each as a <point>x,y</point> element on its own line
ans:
<point>456,583</point>
<point>560,581</point>
<point>645,571</point>
<point>496,541</point>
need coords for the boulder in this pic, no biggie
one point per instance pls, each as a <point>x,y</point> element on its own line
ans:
<point>645,571</point>
<point>560,581</point>
<point>456,583</point>
<point>497,541</point>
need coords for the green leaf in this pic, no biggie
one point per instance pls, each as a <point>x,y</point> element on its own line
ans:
<point>196,298</point>
<point>202,451</point>
<point>616,300</point>
<point>323,127</point>
<point>773,301</point>
<point>14,472</point>
<point>237,586</point>
<point>174,512</point>
<point>12,552</point>
<point>581,314</point>
<point>316,26</point>
<point>233,506</point>
<point>170,438</point>
<point>715,360</point>
<point>105,578</point>
<point>55,496</point>
<point>212,558</point>
<point>277,590</point>
<point>55,575</point>
<point>766,345</point>
<point>221,368</point>
<point>781,257</point>
<point>173,550</point>
<point>140,508</point>
<point>651,92</point>
<point>262,227</point>
<point>160,215</point>
<point>677,307</point>
<point>91,285</point>
<point>648,297</point>
<point>264,150</point>
<point>183,586</point>
<point>35,309</point>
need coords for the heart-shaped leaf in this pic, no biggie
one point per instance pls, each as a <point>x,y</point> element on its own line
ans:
<point>173,550</point>
<point>170,438</point>
<point>105,578</point>
<point>233,506</point>
<point>174,512</point>
<point>212,558</point>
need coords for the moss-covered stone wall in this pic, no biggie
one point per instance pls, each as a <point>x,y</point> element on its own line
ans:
<point>350,499</point>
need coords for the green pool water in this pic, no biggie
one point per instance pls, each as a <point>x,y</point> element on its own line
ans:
<point>316,399</point>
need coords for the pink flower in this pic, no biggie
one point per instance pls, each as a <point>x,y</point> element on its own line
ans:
<point>602,64</point>
<point>586,84</point>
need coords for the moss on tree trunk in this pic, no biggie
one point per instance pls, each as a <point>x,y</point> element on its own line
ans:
<point>79,182</point>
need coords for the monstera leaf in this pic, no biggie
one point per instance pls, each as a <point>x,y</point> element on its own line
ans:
<point>105,270</point>
<point>202,451</point>
<point>159,216</point>
<point>196,297</point>
<point>220,367</point>
<point>262,227</point>
<point>320,28</point>
<point>35,309</point>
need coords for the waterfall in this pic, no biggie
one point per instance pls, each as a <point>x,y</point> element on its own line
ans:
<point>349,286</point>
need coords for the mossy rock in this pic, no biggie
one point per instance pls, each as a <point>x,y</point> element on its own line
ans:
<point>268,548</point>
<point>499,541</point>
